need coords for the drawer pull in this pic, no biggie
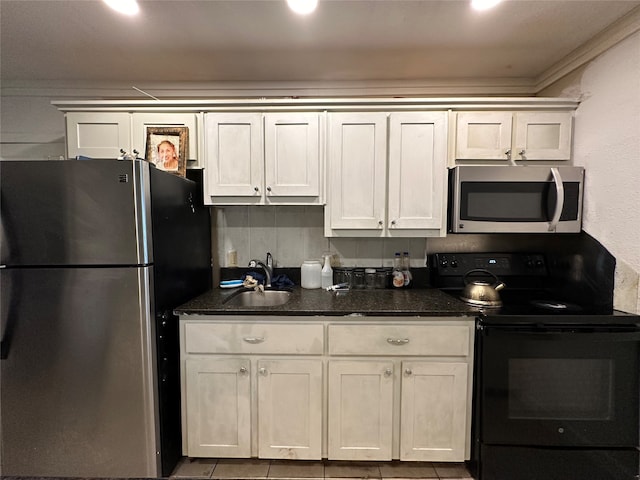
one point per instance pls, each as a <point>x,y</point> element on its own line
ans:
<point>388,372</point>
<point>243,370</point>
<point>397,341</point>
<point>408,372</point>
<point>253,340</point>
<point>263,372</point>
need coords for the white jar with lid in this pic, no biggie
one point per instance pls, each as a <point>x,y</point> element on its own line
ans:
<point>311,274</point>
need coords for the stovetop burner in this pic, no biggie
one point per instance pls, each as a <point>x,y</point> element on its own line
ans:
<point>556,306</point>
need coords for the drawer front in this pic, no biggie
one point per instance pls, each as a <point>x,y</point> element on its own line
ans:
<point>254,338</point>
<point>422,340</point>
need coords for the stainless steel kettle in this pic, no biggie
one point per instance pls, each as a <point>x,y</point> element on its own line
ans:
<point>482,293</point>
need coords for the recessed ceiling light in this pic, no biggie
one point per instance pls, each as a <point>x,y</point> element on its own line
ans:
<point>127,7</point>
<point>484,4</point>
<point>303,7</point>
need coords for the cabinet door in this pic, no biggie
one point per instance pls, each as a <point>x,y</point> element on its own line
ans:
<point>140,122</point>
<point>543,136</point>
<point>218,407</point>
<point>357,170</point>
<point>417,171</point>
<point>292,155</point>
<point>234,158</point>
<point>360,406</point>
<point>433,411</point>
<point>99,134</point>
<point>290,409</point>
<point>483,135</point>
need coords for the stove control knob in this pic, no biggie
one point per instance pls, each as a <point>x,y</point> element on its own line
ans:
<point>454,263</point>
<point>444,263</point>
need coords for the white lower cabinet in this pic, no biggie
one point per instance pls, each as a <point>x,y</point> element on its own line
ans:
<point>360,410</point>
<point>245,395</point>
<point>378,389</point>
<point>412,403</point>
<point>433,411</point>
<point>219,407</point>
<point>290,409</point>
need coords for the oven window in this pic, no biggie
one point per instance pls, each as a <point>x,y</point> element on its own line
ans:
<point>560,388</point>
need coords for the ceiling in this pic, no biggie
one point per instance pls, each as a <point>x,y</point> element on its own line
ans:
<point>247,40</point>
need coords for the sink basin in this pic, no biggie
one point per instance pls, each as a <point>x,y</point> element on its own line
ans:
<point>253,298</point>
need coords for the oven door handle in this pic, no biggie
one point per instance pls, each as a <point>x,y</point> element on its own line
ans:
<point>557,179</point>
<point>553,333</point>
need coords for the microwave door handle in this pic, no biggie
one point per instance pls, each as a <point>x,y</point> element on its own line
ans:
<point>557,179</point>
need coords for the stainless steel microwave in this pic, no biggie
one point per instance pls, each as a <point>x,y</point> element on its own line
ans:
<point>515,199</point>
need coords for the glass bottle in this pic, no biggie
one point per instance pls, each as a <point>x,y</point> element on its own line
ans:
<point>397,277</point>
<point>406,270</point>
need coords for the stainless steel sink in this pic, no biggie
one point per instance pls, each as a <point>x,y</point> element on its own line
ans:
<point>257,298</point>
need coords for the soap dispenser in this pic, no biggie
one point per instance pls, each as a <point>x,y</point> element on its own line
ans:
<point>327,271</point>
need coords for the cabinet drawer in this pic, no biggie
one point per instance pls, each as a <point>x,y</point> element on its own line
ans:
<point>254,338</point>
<point>423,340</point>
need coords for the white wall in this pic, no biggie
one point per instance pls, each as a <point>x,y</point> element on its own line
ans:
<point>31,128</point>
<point>607,144</point>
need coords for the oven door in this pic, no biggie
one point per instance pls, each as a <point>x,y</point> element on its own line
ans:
<point>571,387</point>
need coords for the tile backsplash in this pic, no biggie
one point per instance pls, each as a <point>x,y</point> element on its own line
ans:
<point>295,233</point>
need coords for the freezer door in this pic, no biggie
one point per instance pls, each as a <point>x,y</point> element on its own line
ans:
<point>77,373</point>
<point>93,212</point>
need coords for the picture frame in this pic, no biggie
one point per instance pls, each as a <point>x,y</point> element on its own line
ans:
<point>168,148</point>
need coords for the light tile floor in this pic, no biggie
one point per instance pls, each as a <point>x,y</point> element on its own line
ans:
<point>253,469</point>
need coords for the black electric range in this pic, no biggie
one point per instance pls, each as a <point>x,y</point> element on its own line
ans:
<point>556,386</point>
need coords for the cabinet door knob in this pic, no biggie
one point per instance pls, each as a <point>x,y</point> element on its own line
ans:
<point>393,223</point>
<point>408,371</point>
<point>397,341</point>
<point>521,153</point>
<point>508,153</point>
<point>262,371</point>
<point>388,372</point>
<point>380,223</point>
<point>256,189</point>
<point>243,370</point>
<point>268,189</point>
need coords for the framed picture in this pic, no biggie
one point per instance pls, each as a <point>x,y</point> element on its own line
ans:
<point>168,148</point>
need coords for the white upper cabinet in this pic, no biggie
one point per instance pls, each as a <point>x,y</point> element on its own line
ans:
<point>234,157</point>
<point>262,159</point>
<point>506,135</point>
<point>98,134</point>
<point>365,200</point>
<point>357,171</point>
<point>105,134</point>
<point>543,135</point>
<point>417,171</point>
<point>292,155</point>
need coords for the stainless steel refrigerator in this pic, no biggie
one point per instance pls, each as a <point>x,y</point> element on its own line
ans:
<point>94,256</point>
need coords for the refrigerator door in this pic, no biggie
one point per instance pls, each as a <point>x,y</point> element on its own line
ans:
<point>70,212</point>
<point>77,373</point>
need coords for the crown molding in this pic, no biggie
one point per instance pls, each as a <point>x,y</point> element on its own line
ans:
<point>608,38</point>
<point>164,91</point>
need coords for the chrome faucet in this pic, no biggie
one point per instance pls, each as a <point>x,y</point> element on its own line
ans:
<point>267,270</point>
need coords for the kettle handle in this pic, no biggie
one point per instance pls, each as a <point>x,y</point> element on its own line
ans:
<point>498,285</point>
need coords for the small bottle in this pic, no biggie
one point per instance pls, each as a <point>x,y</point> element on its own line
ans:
<point>327,272</point>
<point>406,270</point>
<point>397,277</point>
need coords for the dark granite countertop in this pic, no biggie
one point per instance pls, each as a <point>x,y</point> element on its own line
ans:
<point>412,302</point>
